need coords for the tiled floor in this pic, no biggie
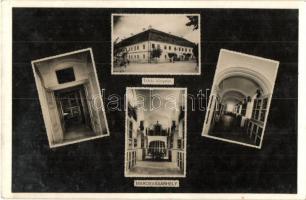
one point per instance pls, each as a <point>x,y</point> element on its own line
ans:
<point>78,132</point>
<point>228,128</point>
<point>143,168</point>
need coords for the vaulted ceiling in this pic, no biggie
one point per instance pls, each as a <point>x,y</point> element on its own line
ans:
<point>235,89</point>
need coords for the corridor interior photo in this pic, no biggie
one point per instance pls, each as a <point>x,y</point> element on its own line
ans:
<point>67,85</point>
<point>155,132</point>
<point>240,98</point>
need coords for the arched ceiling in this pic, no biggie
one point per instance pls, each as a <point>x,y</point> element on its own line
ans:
<point>237,88</point>
<point>159,105</point>
<point>233,96</point>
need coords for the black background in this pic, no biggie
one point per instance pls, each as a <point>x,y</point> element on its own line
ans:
<point>97,165</point>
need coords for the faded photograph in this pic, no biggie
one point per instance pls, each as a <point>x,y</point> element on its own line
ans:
<point>155,137</point>
<point>70,98</point>
<point>156,44</point>
<point>240,98</point>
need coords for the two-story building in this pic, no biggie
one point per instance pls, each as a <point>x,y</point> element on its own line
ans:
<point>140,48</point>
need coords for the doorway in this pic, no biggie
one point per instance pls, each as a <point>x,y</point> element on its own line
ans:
<point>157,150</point>
<point>74,113</point>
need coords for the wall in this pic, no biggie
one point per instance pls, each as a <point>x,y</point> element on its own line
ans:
<point>47,69</point>
<point>263,68</point>
<point>136,52</point>
<point>164,56</point>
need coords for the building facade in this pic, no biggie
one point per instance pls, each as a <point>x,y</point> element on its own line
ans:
<point>141,48</point>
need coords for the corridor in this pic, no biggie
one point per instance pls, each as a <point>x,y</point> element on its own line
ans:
<point>156,168</point>
<point>78,132</point>
<point>229,128</point>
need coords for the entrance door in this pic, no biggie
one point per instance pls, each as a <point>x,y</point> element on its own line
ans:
<point>73,107</point>
<point>157,150</point>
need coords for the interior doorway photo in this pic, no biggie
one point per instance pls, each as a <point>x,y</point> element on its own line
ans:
<point>69,90</point>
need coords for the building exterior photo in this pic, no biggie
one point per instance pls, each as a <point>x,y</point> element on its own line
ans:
<point>70,98</point>
<point>140,48</point>
<point>155,140</point>
<point>148,46</point>
<point>240,98</point>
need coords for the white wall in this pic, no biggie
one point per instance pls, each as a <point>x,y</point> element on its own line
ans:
<point>141,54</point>
<point>48,68</point>
<point>264,68</point>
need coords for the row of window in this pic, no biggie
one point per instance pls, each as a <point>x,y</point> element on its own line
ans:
<point>180,160</point>
<point>182,49</point>
<point>259,109</point>
<point>136,47</point>
<point>136,56</point>
<point>131,159</point>
<point>254,131</point>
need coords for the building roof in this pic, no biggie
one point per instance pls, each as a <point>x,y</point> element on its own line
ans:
<point>154,35</point>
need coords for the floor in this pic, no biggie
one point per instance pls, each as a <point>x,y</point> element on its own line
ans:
<point>176,67</point>
<point>155,168</point>
<point>78,132</point>
<point>229,128</point>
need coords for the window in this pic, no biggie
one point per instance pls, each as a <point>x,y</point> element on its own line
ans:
<point>144,46</point>
<point>158,46</point>
<point>186,49</point>
<point>260,109</point>
<point>169,47</point>
<point>243,109</point>
<point>165,47</point>
<point>179,144</point>
<point>135,142</point>
<point>137,47</point>
<point>130,129</point>
<point>130,134</point>
<point>263,109</point>
<point>153,46</point>
<point>144,56</point>
<point>174,48</point>
<point>180,160</point>
<point>65,75</point>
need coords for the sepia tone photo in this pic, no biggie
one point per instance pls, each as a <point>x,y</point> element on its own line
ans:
<point>156,44</point>
<point>240,98</point>
<point>155,138</point>
<point>70,98</point>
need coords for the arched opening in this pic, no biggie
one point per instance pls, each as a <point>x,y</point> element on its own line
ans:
<point>239,99</point>
<point>157,150</point>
